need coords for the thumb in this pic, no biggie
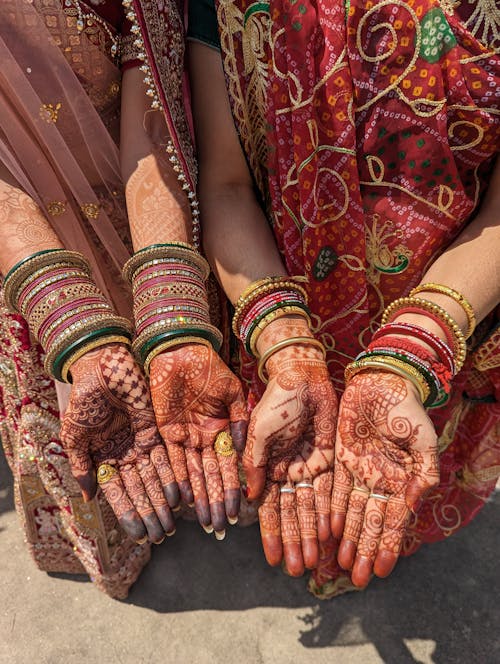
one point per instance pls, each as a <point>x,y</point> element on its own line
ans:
<point>80,462</point>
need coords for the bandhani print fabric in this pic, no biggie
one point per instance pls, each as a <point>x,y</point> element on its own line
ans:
<point>371,129</point>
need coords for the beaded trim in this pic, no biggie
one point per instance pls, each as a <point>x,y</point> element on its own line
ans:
<point>156,105</point>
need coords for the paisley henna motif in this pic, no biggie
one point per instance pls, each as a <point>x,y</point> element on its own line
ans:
<point>386,459</point>
<point>110,419</point>
<point>195,396</point>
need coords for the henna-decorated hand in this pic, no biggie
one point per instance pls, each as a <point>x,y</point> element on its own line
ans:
<point>195,397</point>
<point>291,440</point>
<point>110,420</point>
<point>386,445</point>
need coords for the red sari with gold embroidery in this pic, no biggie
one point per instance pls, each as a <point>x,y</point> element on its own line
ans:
<point>370,128</point>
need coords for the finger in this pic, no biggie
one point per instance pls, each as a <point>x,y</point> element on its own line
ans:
<point>159,458</point>
<point>76,446</point>
<point>239,434</point>
<point>396,519</point>
<point>215,491</point>
<point>352,529</point>
<point>342,487</point>
<point>306,513</point>
<point>128,518</point>
<point>255,456</point>
<point>270,525</point>
<point>290,532</point>
<point>137,494</point>
<point>197,481</point>
<point>322,499</point>
<point>177,457</point>
<point>369,539</point>
<point>228,464</point>
<point>154,491</point>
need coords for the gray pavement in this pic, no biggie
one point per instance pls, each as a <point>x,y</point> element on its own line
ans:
<point>200,601</point>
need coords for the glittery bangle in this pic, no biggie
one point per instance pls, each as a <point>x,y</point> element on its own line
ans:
<point>142,352</point>
<point>24,269</point>
<point>65,355</point>
<point>284,343</point>
<point>454,295</point>
<point>165,251</point>
<point>166,345</point>
<point>270,316</point>
<point>86,348</point>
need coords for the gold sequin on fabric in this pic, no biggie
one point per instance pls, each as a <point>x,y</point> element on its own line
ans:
<point>90,210</point>
<point>50,112</point>
<point>56,208</point>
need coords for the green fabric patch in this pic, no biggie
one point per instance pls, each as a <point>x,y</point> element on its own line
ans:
<point>437,36</point>
<point>326,260</point>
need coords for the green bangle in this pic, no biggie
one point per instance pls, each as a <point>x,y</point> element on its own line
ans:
<point>76,345</point>
<point>25,260</point>
<point>261,316</point>
<point>174,334</point>
<point>433,394</point>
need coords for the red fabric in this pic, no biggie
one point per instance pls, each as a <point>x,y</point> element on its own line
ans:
<point>381,134</point>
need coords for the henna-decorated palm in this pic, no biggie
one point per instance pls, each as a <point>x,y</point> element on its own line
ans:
<point>386,445</point>
<point>195,397</point>
<point>291,440</point>
<point>110,420</point>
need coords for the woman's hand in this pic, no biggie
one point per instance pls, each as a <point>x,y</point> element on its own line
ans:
<point>196,398</point>
<point>289,455</point>
<point>385,461</point>
<point>110,425</point>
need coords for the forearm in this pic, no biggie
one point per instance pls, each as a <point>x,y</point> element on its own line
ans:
<point>237,239</point>
<point>23,226</point>
<point>471,265</point>
<point>157,207</point>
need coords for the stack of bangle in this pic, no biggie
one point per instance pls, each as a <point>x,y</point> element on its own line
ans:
<point>66,312</point>
<point>170,299</point>
<point>454,295</point>
<point>262,302</point>
<point>429,367</point>
<point>414,305</point>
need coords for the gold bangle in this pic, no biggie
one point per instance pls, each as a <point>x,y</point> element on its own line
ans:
<point>454,295</point>
<point>460,349</point>
<point>393,366</point>
<point>92,345</point>
<point>157,252</point>
<point>261,287</point>
<point>24,270</point>
<point>284,343</point>
<point>165,345</point>
<point>274,315</point>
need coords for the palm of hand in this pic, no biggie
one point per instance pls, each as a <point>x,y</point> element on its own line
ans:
<point>195,397</point>
<point>291,440</point>
<point>110,420</point>
<point>386,445</point>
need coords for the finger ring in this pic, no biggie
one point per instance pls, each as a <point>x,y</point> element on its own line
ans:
<point>287,489</point>
<point>361,489</point>
<point>304,485</point>
<point>380,496</point>
<point>224,444</point>
<point>105,473</point>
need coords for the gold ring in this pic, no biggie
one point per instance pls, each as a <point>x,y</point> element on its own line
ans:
<point>224,444</point>
<point>105,473</point>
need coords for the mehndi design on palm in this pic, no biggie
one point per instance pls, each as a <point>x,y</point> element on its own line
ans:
<point>110,426</point>
<point>385,460</point>
<point>195,397</point>
<point>289,455</point>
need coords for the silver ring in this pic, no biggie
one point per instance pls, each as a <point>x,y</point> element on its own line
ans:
<point>380,496</point>
<point>287,489</point>
<point>361,489</point>
<point>304,485</point>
